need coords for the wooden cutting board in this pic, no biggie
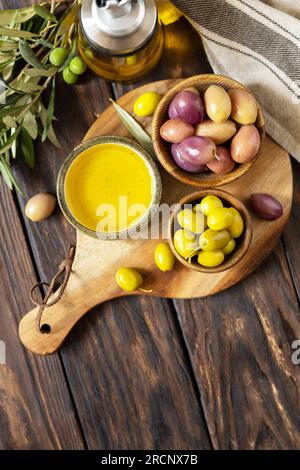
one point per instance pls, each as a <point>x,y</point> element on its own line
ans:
<point>92,280</point>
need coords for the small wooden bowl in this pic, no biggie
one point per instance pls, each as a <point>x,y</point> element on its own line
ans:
<point>163,150</point>
<point>243,242</point>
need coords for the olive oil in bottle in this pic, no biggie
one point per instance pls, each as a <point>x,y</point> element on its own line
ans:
<point>120,40</point>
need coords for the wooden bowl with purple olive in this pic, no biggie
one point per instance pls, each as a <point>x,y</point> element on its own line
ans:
<point>208,130</point>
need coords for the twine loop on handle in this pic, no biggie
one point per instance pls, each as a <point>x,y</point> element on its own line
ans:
<point>65,268</point>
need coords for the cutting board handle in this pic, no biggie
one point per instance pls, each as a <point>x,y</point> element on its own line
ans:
<point>44,329</point>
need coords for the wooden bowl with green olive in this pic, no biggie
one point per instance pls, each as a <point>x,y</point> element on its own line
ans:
<point>210,201</point>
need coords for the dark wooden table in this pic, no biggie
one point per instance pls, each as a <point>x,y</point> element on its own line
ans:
<point>139,372</point>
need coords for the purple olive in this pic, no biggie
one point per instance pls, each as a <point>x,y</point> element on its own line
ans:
<point>198,150</point>
<point>187,106</point>
<point>265,206</point>
<point>184,164</point>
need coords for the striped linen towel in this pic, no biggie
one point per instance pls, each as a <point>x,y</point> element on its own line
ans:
<point>257,43</point>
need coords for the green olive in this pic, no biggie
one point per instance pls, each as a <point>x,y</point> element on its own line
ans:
<point>164,258</point>
<point>190,220</point>
<point>77,66</point>
<point>228,249</point>
<point>212,241</point>
<point>132,59</point>
<point>211,259</point>
<point>69,77</point>
<point>185,242</point>
<point>58,56</point>
<point>209,203</point>
<point>146,103</point>
<point>220,218</point>
<point>89,54</point>
<point>129,279</point>
<point>237,227</point>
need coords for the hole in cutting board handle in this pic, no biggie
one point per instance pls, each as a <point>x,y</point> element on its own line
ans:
<point>45,329</point>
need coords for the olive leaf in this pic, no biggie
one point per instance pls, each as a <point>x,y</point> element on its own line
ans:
<point>9,177</point>
<point>10,121</point>
<point>29,123</point>
<point>16,33</point>
<point>8,46</point>
<point>50,112</point>
<point>135,129</point>
<point>11,17</point>
<point>68,20</point>
<point>51,133</point>
<point>29,56</point>
<point>6,173</point>
<point>44,13</point>
<point>27,148</point>
<point>45,43</point>
<point>40,72</point>
<point>7,145</point>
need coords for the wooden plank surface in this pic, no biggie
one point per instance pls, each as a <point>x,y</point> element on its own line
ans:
<point>239,341</point>
<point>125,363</point>
<point>36,410</point>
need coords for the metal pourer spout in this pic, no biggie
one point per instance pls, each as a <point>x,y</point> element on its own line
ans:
<point>115,7</point>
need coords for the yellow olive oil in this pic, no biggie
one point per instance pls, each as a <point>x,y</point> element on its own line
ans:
<point>108,188</point>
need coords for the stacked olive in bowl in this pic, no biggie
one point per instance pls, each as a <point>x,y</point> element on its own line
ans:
<point>210,231</point>
<point>207,130</point>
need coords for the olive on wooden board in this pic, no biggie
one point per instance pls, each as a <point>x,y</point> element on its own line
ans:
<point>266,206</point>
<point>40,206</point>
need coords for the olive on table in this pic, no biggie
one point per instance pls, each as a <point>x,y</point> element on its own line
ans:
<point>217,103</point>
<point>188,106</point>
<point>210,203</point>
<point>129,279</point>
<point>223,162</point>
<point>220,218</point>
<point>176,130</point>
<point>211,259</point>
<point>185,164</point>
<point>164,257</point>
<point>219,132</point>
<point>244,107</point>
<point>198,150</point>
<point>185,242</point>
<point>229,248</point>
<point>266,206</point>
<point>58,56</point>
<point>191,220</point>
<point>77,66</point>
<point>69,77</point>
<point>40,207</point>
<point>237,227</point>
<point>211,240</point>
<point>146,103</point>
<point>245,144</point>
